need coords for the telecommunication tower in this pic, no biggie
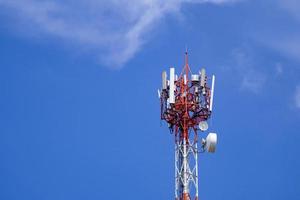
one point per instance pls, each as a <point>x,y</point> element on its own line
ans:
<point>186,105</point>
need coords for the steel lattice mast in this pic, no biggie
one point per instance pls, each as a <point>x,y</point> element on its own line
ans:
<point>186,105</point>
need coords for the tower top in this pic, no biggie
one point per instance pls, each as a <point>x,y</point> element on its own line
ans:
<point>186,105</point>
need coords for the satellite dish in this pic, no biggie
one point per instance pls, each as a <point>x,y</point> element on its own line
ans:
<point>211,142</point>
<point>203,126</point>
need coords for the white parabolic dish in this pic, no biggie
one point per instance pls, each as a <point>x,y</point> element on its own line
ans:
<point>203,126</point>
<point>211,142</point>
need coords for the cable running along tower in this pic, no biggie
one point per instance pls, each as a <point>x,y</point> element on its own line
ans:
<point>186,105</point>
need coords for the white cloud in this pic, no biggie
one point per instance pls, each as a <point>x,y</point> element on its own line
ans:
<point>291,6</point>
<point>278,69</point>
<point>253,81</point>
<point>284,36</point>
<point>114,29</point>
<point>297,97</point>
<point>212,1</point>
<point>287,44</point>
<point>245,67</point>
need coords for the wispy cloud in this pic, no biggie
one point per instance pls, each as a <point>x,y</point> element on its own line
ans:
<point>253,81</point>
<point>212,1</point>
<point>297,97</point>
<point>283,38</point>
<point>116,30</point>
<point>278,69</point>
<point>287,44</point>
<point>244,66</point>
<point>292,7</point>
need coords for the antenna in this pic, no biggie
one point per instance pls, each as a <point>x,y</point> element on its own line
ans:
<point>212,92</point>
<point>172,85</point>
<point>186,104</point>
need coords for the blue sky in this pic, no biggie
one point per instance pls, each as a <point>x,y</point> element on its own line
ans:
<point>79,109</point>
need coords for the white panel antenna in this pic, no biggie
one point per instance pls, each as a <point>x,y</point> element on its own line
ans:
<point>202,77</point>
<point>212,92</point>
<point>172,85</point>
<point>164,80</point>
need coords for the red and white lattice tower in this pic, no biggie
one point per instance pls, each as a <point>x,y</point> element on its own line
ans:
<point>186,105</point>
